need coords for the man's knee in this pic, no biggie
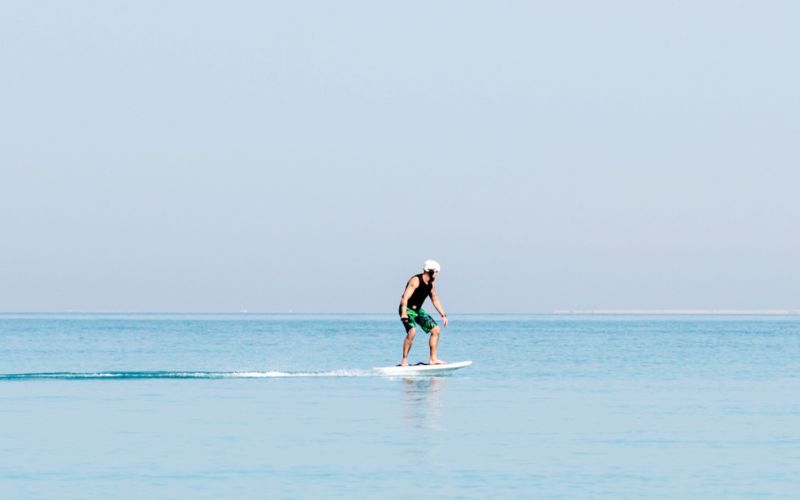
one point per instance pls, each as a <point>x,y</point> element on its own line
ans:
<point>411,333</point>
<point>435,330</point>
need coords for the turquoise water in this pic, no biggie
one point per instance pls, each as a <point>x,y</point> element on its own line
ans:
<point>286,406</point>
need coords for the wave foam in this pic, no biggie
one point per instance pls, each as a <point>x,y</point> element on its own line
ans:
<point>181,375</point>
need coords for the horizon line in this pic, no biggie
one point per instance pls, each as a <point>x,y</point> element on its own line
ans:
<point>774,312</point>
<point>679,311</point>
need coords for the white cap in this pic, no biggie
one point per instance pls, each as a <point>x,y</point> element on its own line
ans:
<point>431,265</point>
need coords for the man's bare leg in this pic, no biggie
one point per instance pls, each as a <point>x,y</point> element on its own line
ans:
<point>407,345</point>
<point>434,360</point>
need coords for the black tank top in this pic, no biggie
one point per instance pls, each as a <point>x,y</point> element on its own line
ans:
<point>420,294</point>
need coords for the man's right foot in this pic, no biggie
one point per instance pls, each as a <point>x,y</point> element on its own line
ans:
<point>404,362</point>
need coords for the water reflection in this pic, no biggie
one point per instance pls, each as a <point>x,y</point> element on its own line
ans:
<point>422,408</point>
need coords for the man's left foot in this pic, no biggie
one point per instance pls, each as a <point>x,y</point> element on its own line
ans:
<point>437,362</point>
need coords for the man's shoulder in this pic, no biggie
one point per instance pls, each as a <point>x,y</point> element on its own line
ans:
<point>414,280</point>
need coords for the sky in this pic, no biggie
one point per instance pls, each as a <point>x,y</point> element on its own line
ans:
<point>308,156</point>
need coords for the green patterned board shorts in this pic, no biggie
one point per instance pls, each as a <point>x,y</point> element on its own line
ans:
<point>421,318</point>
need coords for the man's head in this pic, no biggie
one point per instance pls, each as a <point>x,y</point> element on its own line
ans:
<point>432,268</point>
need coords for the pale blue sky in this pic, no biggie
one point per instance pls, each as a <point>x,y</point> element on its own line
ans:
<point>308,156</point>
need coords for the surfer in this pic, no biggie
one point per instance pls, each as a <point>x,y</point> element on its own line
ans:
<point>419,288</point>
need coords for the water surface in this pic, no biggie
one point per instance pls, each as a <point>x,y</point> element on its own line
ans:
<point>287,406</point>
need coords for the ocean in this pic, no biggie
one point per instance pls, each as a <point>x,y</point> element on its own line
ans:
<point>288,406</point>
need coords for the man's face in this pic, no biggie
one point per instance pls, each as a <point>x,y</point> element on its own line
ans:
<point>433,274</point>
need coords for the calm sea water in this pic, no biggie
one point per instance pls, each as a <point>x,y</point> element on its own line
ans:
<point>279,406</point>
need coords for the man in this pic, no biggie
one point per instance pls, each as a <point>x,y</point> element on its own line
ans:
<point>419,288</point>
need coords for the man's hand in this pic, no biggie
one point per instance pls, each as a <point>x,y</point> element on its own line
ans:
<point>444,320</point>
<point>404,319</point>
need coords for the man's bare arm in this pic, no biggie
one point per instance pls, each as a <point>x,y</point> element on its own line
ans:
<point>438,305</point>
<point>412,285</point>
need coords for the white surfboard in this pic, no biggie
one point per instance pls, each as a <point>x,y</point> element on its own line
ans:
<point>421,368</point>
